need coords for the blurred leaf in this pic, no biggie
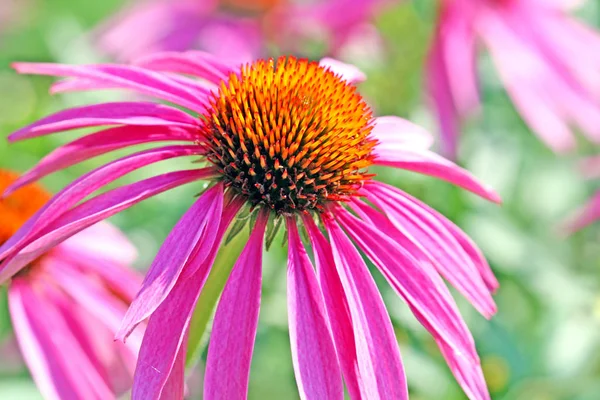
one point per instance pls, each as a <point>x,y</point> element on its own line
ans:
<point>224,262</point>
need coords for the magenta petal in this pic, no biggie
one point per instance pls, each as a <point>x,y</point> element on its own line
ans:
<point>82,187</point>
<point>93,211</point>
<point>378,355</point>
<point>104,241</point>
<point>429,163</point>
<point>397,133</point>
<point>426,230</point>
<point>47,339</point>
<point>125,77</point>
<point>315,362</point>
<point>337,309</point>
<point>196,64</point>
<point>175,386</point>
<point>132,113</point>
<point>234,327</point>
<point>194,230</point>
<point>347,72</point>
<point>36,346</point>
<point>423,290</point>
<point>164,336</point>
<point>97,144</point>
<point>585,216</point>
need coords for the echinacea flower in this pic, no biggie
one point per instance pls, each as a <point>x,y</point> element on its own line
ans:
<point>67,304</point>
<point>291,141</point>
<point>548,62</point>
<point>234,30</point>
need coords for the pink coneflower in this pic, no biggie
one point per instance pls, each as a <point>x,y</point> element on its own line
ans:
<point>235,30</point>
<point>66,305</point>
<point>548,62</point>
<point>291,140</point>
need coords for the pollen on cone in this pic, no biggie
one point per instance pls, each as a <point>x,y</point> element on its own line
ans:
<point>289,134</point>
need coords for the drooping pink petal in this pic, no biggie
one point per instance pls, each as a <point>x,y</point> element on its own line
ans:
<point>194,230</point>
<point>378,355</point>
<point>458,54</point>
<point>234,327</point>
<point>527,84</point>
<point>34,343</point>
<point>426,230</point>
<point>315,362</point>
<point>429,163</point>
<point>337,310</point>
<point>104,241</point>
<point>123,113</point>
<point>124,77</point>
<point>394,132</point>
<point>46,341</point>
<point>585,216</point>
<point>164,336</point>
<point>196,64</point>
<point>97,144</point>
<point>426,294</point>
<point>95,210</point>
<point>440,93</point>
<point>175,386</point>
<point>347,72</point>
<point>84,186</point>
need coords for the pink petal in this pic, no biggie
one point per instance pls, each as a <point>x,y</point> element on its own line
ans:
<point>175,386</point>
<point>97,144</point>
<point>36,346</point>
<point>196,64</point>
<point>439,90</point>
<point>425,230</point>
<point>381,371</point>
<point>104,241</point>
<point>337,309</point>
<point>313,354</point>
<point>195,230</point>
<point>429,163</point>
<point>84,186</point>
<point>132,113</point>
<point>423,290</point>
<point>234,326</point>
<point>585,216</point>
<point>124,77</point>
<point>347,72</point>
<point>164,337</point>
<point>95,210</point>
<point>48,340</point>
<point>528,83</point>
<point>397,133</point>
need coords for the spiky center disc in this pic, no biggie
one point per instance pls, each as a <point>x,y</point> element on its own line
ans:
<point>19,206</point>
<point>290,135</point>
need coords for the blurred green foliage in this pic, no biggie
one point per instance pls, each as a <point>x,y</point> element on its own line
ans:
<point>543,344</point>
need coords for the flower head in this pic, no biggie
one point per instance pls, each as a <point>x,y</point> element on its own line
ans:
<point>555,84</point>
<point>291,141</point>
<point>66,305</point>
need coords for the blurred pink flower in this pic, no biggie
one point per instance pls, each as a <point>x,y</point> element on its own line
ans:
<point>548,62</point>
<point>234,30</point>
<point>292,140</point>
<point>66,306</point>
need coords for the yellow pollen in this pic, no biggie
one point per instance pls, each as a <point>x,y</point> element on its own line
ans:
<point>289,134</point>
<point>19,206</point>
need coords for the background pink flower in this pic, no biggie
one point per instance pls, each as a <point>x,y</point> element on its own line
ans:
<point>233,30</point>
<point>548,62</point>
<point>290,141</point>
<point>67,304</point>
